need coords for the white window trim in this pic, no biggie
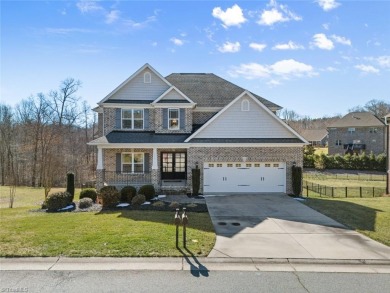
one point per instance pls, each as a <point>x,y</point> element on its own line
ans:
<point>178,119</point>
<point>147,77</point>
<point>245,105</point>
<point>133,119</point>
<point>132,162</point>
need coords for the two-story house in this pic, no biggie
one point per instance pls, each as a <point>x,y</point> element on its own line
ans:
<point>357,132</point>
<point>156,129</point>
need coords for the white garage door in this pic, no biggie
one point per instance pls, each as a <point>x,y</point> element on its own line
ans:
<point>244,177</point>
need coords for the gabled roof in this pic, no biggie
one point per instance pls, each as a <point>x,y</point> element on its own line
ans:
<point>358,119</point>
<point>174,89</point>
<point>131,77</point>
<point>210,90</point>
<point>314,134</point>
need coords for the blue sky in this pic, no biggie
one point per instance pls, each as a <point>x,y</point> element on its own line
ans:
<point>318,58</point>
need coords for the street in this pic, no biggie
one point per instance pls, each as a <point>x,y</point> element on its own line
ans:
<point>191,281</point>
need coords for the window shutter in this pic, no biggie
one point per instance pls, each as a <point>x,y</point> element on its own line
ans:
<point>118,118</point>
<point>118,162</point>
<point>146,163</point>
<point>165,118</point>
<point>146,119</point>
<point>182,118</point>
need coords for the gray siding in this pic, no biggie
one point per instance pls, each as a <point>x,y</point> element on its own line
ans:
<point>136,89</point>
<point>173,95</point>
<point>255,123</point>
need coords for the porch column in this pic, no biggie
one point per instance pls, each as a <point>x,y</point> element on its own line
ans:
<point>154,159</point>
<point>100,165</point>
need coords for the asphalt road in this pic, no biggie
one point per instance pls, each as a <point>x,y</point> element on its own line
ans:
<point>191,281</point>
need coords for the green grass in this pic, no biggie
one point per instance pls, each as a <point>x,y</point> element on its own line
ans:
<point>347,183</point>
<point>369,216</point>
<point>110,233</point>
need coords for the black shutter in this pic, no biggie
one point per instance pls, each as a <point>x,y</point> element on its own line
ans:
<point>146,163</point>
<point>165,118</point>
<point>146,119</point>
<point>118,118</point>
<point>182,118</point>
<point>118,162</point>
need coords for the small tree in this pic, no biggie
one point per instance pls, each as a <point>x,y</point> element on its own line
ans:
<point>297,180</point>
<point>195,182</point>
<point>70,184</point>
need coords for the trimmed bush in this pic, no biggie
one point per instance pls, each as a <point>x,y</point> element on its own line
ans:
<point>127,193</point>
<point>85,203</point>
<point>174,205</point>
<point>297,180</point>
<point>58,200</point>
<point>195,182</point>
<point>158,204</point>
<point>138,200</point>
<point>70,184</point>
<point>148,191</point>
<point>110,196</point>
<point>88,193</point>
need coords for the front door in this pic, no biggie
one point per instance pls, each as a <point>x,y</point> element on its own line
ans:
<point>173,166</point>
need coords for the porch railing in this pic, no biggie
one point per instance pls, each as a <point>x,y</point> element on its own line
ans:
<point>125,179</point>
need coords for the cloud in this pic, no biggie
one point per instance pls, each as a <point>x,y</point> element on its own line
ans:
<point>367,68</point>
<point>276,13</point>
<point>284,69</point>
<point>326,26</point>
<point>384,61</point>
<point>322,42</point>
<point>331,69</point>
<point>177,41</point>
<point>88,6</point>
<point>257,46</point>
<point>229,47</point>
<point>112,16</point>
<point>138,25</point>
<point>231,17</point>
<point>288,46</point>
<point>328,5</point>
<point>341,40</point>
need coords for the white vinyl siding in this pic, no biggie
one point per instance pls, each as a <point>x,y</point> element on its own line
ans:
<point>173,95</point>
<point>255,123</point>
<point>137,89</point>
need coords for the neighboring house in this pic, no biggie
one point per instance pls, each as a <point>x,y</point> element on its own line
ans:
<point>316,137</point>
<point>156,130</point>
<point>357,132</point>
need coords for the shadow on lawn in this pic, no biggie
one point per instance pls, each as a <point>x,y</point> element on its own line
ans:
<point>198,221</point>
<point>347,213</point>
<point>196,268</point>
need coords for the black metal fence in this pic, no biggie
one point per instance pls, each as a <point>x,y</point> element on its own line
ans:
<point>346,176</point>
<point>330,191</point>
<point>126,179</point>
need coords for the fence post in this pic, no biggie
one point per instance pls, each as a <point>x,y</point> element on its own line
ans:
<point>307,190</point>
<point>373,192</point>
<point>332,191</point>
<point>360,191</point>
<point>346,191</point>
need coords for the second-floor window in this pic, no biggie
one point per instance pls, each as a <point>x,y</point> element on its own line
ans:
<point>351,130</point>
<point>338,142</point>
<point>373,130</point>
<point>132,118</point>
<point>173,119</point>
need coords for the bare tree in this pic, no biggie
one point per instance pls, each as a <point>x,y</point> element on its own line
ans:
<point>377,107</point>
<point>6,125</point>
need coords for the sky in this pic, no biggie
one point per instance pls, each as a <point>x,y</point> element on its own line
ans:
<point>318,58</point>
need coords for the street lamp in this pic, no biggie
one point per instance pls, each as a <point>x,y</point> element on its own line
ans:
<point>387,122</point>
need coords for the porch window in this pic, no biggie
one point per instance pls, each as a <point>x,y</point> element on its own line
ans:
<point>132,119</point>
<point>133,163</point>
<point>173,119</point>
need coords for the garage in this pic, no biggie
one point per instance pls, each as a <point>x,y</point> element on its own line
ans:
<point>244,177</point>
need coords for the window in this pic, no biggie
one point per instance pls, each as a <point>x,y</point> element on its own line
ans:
<point>245,105</point>
<point>238,165</point>
<point>147,77</point>
<point>173,119</point>
<point>132,163</point>
<point>230,165</point>
<point>338,141</point>
<point>211,165</point>
<point>268,165</point>
<point>276,165</point>
<point>248,165</point>
<point>373,130</point>
<point>351,130</point>
<point>219,165</point>
<point>132,118</point>
<point>257,165</point>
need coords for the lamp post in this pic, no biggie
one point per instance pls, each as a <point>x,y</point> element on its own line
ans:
<point>387,122</point>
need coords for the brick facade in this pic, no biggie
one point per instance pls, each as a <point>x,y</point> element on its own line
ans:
<point>109,120</point>
<point>159,124</point>
<point>374,141</point>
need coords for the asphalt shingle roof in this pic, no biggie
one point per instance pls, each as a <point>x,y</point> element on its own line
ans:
<point>246,140</point>
<point>314,134</point>
<point>144,137</point>
<point>210,90</point>
<point>358,119</point>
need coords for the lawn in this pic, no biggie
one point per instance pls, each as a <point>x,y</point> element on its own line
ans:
<point>347,183</point>
<point>369,216</point>
<point>108,233</point>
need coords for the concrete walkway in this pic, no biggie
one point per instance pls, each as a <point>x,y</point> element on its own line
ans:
<point>278,226</point>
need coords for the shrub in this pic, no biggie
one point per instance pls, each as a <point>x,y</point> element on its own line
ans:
<point>70,184</point>
<point>148,191</point>
<point>127,193</point>
<point>58,200</point>
<point>296,180</point>
<point>158,204</point>
<point>110,196</point>
<point>85,203</point>
<point>88,193</point>
<point>195,182</point>
<point>192,205</point>
<point>174,205</point>
<point>138,200</point>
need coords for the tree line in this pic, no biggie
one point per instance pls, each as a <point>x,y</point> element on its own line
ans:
<point>45,136</point>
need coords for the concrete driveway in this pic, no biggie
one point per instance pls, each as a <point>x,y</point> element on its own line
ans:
<point>278,226</point>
